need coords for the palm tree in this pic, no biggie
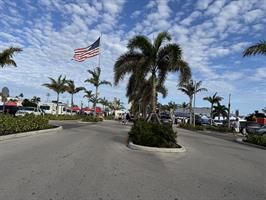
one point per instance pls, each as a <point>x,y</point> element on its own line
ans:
<point>220,110</point>
<point>89,95</point>
<point>184,105</point>
<point>36,99</point>
<point>151,60</point>
<point>213,100</point>
<point>72,89</point>
<point>95,80</point>
<point>58,86</point>
<point>191,88</point>
<point>7,55</point>
<point>104,103</point>
<point>259,48</point>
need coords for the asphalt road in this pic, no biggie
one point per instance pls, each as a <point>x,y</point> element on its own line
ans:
<point>92,162</point>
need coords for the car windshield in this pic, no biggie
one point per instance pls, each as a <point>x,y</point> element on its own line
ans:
<point>45,107</point>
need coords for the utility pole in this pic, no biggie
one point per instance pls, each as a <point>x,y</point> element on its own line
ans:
<point>229,106</point>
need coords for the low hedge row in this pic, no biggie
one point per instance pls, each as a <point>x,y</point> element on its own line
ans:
<point>10,124</point>
<point>205,128</point>
<point>63,117</point>
<point>110,117</point>
<point>256,139</point>
<point>153,135</point>
<point>92,119</point>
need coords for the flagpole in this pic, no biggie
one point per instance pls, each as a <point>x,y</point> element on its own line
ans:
<point>99,57</point>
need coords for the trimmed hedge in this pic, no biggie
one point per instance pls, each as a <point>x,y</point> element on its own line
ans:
<point>91,119</point>
<point>206,128</point>
<point>256,139</point>
<point>153,135</point>
<point>10,124</point>
<point>63,117</point>
<point>110,117</point>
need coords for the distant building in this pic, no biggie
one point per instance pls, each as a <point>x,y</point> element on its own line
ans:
<point>181,112</point>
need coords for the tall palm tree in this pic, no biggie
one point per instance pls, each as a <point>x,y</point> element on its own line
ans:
<point>72,89</point>
<point>214,99</point>
<point>58,86</point>
<point>220,110</point>
<point>7,55</point>
<point>259,48</point>
<point>97,82</point>
<point>191,88</point>
<point>89,95</point>
<point>152,60</point>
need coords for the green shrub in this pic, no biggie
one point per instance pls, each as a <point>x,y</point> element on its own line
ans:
<point>153,135</point>
<point>191,127</point>
<point>204,128</point>
<point>63,117</point>
<point>256,139</point>
<point>92,119</point>
<point>110,117</point>
<point>10,124</point>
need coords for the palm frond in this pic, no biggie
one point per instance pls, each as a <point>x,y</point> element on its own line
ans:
<point>161,37</point>
<point>259,48</point>
<point>141,43</point>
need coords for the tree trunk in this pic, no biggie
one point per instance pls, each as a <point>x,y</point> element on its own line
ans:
<point>190,110</point>
<point>72,103</point>
<point>94,103</point>
<point>194,117</point>
<point>57,105</point>
<point>211,113</point>
<point>153,103</point>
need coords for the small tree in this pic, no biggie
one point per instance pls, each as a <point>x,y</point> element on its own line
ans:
<point>58,86</point>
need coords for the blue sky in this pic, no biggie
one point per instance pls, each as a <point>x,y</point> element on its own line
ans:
<point>212,34</point>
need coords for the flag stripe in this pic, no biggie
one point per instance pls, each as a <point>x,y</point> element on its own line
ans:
<point>81,54</point>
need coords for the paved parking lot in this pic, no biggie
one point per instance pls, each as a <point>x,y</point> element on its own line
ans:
<point>92,162</point>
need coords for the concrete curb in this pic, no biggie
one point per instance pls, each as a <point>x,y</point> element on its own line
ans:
<point>155,149</point>
<point>25,134</point>
<point>240,141</point>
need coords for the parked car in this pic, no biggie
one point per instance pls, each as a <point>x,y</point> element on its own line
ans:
<point>29,110</point>
<point>252,127</point>
<point>166,119</point>
<point>261,131</point>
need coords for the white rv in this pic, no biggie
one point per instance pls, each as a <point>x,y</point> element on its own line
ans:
<point>50,108</point>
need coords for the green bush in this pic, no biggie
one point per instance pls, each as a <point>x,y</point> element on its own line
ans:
<point>153,135</point>
<point>110,117</point>
<point>63,117</point>
<point>92,119</point>
<point>191,127</point>
<point>10,124</point>
<point>205,128</point>
<point>256,139</point>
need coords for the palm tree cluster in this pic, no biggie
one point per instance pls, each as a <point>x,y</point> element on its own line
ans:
<point>61,85</point>
<point>148,64</point>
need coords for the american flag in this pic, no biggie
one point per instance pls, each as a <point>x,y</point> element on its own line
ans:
<point>82,54</point>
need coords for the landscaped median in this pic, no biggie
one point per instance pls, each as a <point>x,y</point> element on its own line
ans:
<point>155,137</point>
<point>254,140</point>
<point>206,128</point>
<point>26,125</point>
